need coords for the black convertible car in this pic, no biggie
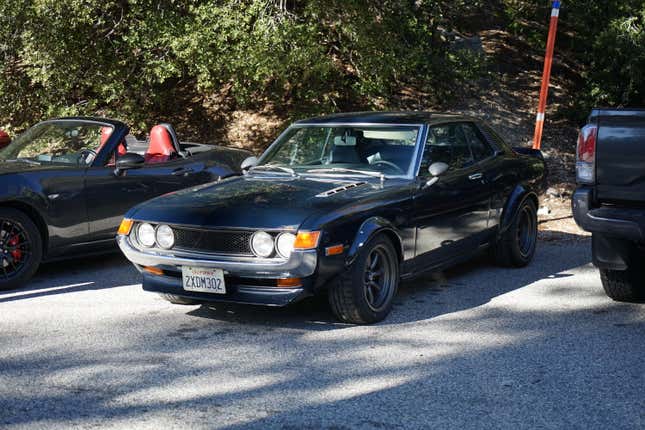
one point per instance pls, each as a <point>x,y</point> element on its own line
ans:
<point>66,183</point>
<point>348,204</point>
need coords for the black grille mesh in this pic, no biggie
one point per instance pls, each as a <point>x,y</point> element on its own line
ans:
<point>213,241</point>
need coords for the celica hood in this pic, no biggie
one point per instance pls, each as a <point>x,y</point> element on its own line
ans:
<point>275,202</point>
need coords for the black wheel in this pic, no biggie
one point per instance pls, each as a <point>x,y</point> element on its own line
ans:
<point>364,293</point>
<point>178,300</point>
<point>624,285</point>
<point>516,247</point>
<point>21,248</point>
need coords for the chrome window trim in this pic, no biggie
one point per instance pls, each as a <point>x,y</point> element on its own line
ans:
<point>495,154</point>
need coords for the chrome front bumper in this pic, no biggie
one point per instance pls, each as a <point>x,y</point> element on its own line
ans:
<point>299,265</point>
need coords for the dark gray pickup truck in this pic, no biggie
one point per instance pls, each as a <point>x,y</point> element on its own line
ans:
<point>610,198</point>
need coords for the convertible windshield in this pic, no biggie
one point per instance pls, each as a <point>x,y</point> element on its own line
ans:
<point>64,142</point>
<point>348,149</point>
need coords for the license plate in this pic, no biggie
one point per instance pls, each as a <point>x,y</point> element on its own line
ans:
<point>203,280</point>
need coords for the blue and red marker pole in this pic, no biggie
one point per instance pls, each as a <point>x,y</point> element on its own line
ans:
<point>546,75</point>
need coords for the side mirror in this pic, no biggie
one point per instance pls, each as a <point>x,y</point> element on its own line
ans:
<point>129,161</point>
<point>436,169</point>
<point>249,162</point>
<point>4,139</point>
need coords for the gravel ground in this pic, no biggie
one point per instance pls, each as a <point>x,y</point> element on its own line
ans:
<point>477,347</point>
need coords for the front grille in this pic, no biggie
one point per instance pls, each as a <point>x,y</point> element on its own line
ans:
<point>214,241</point>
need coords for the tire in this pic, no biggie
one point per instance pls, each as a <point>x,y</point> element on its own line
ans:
<point>354,297</point>
<point>178,300</point>
<point>516,246</point>
<point>21,248</point>
<point>624,285</point>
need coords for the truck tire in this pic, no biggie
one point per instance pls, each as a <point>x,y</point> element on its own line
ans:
<point>21,248</point>
<point>516,246</point>
<point>364,292</point>
<point>624,285</point>
<point>178,300</point>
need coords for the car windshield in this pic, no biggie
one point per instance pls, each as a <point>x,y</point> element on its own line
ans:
<point>387,150</point>
<point>64,142</point>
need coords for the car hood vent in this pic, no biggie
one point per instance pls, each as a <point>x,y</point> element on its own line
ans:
<point>340,189</point>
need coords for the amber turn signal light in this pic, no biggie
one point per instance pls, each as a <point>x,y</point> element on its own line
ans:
<point>334,250</point>
<point>307,240</point>
<point>153,270</point>
<point>289,282</point>
<point>125,227</point>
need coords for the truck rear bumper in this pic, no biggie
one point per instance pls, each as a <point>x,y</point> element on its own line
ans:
<point>617,232</point>
<point>620,223</point>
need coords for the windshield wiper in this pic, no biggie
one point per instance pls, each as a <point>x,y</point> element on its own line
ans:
<point>275,167</point>
<point>345,170</point>
<point>24,160</point>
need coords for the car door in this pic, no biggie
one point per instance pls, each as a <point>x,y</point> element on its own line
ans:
<point>450,212</point>
<point>110,194</point>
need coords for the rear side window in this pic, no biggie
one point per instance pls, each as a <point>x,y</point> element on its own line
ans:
<point>493,137</point>
<point>479,148</point>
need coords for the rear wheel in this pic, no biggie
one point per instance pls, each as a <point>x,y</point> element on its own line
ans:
<point>516,247</point>
<point>178,300</point>
<point>21,248</point>
<point>364,293</point>
<point>624,285</point>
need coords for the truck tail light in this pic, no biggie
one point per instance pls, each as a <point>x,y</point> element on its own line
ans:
<point>586,154</point>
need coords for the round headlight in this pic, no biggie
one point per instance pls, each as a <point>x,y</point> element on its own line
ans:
<point>165,236</point>
<point>146,234</point>
<point>262,244</point>
<point>284,244</point>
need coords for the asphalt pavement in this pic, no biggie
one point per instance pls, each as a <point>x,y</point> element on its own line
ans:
<point>82,346</point>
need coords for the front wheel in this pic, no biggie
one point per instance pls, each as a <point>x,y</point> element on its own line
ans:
<point>516,247</point>
<point>364,293</point>
<point>21,248</point>
<point>624,285</point>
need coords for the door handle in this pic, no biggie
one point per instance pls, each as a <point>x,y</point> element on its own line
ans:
<point>475,176</point>
<point>182,171</point>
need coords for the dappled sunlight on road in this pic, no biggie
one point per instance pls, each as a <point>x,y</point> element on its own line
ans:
<point>478,344</point>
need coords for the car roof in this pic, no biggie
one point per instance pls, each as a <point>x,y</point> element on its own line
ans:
<point>402,117</point>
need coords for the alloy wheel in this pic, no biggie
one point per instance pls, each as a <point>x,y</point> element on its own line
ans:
<point>378,278</point>
<point>527,231</point>
<point>15,248</point>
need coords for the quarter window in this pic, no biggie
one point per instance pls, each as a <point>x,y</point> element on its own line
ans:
<point>479,148</point>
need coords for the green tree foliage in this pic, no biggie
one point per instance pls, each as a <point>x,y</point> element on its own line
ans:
<point>607,39</point>
<point>133,58</point>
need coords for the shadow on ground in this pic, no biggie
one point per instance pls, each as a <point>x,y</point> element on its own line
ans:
<point>537,357</point>
<point>79,274</point>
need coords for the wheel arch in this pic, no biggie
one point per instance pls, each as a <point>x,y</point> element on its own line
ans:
<point>519,195</point>
<point>369,229</point>
<point>35,216</point>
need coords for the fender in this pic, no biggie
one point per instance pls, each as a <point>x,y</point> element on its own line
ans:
<point>369,229</point>
<point>517,197</point>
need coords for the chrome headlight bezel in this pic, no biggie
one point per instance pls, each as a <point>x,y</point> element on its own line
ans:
<point>262,244</point>
<point>146,235</point>
<point>162,233</point>
<point>284,244</point>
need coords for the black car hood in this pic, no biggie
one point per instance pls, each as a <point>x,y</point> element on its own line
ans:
<point>252,201</point>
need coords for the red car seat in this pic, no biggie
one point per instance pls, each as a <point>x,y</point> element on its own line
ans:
<point>161,147</point>
<point>106,132</point>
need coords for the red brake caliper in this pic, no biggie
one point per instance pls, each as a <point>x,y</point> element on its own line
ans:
<point>16,253</point>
